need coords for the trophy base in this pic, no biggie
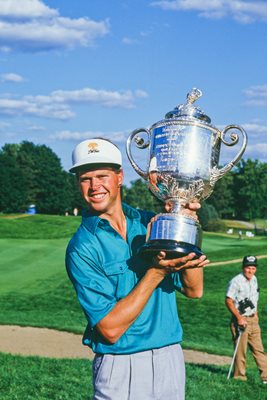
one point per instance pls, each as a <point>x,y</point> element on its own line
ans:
<point>176,234</point>
<point>172,248</point>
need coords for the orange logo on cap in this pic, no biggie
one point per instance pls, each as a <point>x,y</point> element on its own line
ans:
<point>93,147</point>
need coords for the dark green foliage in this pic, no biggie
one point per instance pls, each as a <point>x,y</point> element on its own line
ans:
<point>242,193</point>
<point>13,183</point>
<point>207,213</point>
<point>139,196</point>
<point>216,225</point>
<point>32,174</point>
<point>222,198</point>
<point>250,186</point>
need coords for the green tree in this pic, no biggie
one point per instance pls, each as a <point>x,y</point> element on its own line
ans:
<point>13,192</point>
<point>206,214</point>
<point>222,198</point>
<point>38,178</point>
<point>74,194</point>
<point>139,196</point>
<point>250,189</point>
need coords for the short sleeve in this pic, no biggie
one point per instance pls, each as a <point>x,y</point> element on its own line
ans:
<point>94,291</point>
<point>232,289</point>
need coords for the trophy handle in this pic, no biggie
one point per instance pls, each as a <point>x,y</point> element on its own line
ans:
<point>141,144</point>
<point>218,173</point>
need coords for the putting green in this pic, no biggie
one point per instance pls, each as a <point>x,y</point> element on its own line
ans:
<point>25,264</point>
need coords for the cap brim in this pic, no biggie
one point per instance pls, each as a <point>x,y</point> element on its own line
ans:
<point>250,264</point>
<point>89,166</point>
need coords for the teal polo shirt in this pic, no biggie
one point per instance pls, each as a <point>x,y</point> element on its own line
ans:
<point>104,268</point>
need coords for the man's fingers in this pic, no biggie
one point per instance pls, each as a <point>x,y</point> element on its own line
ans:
<point>160,256</point>
<point>189,261</point>
<point>194,206</point>
<point>177,264</point>
<point>204,263</point>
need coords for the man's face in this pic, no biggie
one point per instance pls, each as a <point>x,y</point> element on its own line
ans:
<point>249,271</point>
<point>100,188</point>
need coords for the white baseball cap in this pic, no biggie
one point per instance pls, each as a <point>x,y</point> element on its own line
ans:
<point>95,151</point>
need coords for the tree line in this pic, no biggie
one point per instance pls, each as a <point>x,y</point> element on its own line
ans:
<point>33,174</point>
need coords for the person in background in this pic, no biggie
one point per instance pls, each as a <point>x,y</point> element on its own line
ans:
<point>129,303</point>
<point>242,297</point>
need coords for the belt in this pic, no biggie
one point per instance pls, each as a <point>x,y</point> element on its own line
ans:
<point>250,316</point>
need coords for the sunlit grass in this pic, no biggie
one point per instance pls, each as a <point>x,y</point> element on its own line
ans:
<point>34,378</point>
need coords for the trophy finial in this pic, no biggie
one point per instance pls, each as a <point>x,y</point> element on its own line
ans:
<point>193,95</point>
<point>188,110</point>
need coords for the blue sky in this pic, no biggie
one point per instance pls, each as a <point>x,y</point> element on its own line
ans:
<point>71,70</point>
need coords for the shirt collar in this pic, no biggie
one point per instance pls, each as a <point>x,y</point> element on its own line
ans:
<point>91,222</point>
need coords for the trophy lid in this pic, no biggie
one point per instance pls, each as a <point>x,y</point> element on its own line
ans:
<point>187,109</point>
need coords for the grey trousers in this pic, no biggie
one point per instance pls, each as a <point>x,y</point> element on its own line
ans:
<point>149,375</point>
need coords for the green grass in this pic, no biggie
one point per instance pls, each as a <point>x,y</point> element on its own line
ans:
<point>210,382</point>
<point>37,226</point>
<point>206,321</point>
<point>33,378</point>
<point>260,223</point>
<point>220,248</point>
<point>35,291</point>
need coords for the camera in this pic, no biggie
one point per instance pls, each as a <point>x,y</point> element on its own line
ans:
<point>244,304</point>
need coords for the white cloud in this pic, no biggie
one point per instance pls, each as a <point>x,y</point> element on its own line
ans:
<point>256,91</point>
<point>256,95</point>
<point>11,77</point>
<point>32,107</point>
<point>4,125</point>
<point>141,93</point>
<point>129,41</point>
<point>37,27</point>
<point>124,99</point>
<point>57,105</point>
<point>257,141</point>
<point>243,11</point>
<point>36,128</point>
<point>117,137</point>
<point>254,128</point>
<point>29,9</point>
<point>257,151</point>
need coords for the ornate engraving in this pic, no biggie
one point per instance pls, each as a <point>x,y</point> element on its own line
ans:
<point>171,187</point>
<point>182,165</point>
<point>218,173</point>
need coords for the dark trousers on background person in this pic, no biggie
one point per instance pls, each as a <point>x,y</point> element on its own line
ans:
<point>251,337</point>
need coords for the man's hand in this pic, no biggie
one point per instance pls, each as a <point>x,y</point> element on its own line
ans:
<point>189,209</point>
<point>242,322</point>
<point>178,264</point>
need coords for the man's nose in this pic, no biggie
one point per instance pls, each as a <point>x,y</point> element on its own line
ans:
<point>94,183</point>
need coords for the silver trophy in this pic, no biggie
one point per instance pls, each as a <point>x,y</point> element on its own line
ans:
<point>184,150</point>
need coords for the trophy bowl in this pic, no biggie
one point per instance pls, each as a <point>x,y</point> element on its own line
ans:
<point>182,167</point>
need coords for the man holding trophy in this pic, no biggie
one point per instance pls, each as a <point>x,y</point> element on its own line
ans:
<point>126,267</point>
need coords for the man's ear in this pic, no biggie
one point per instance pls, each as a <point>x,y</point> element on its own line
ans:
<point>120,177</point>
